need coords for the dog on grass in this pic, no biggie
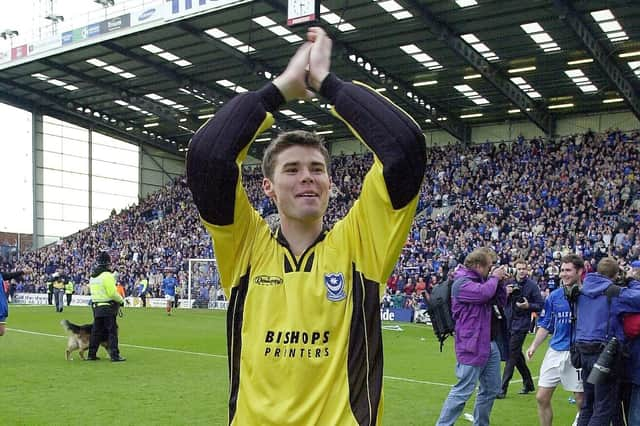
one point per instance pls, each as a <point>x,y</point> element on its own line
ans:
<point>79,336</point>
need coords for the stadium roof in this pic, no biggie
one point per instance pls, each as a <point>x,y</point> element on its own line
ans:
<point>450,64</point>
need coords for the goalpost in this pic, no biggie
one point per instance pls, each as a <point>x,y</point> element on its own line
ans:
<point>204,284</point>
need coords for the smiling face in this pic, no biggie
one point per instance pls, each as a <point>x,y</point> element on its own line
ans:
<point>300,184</point>
<point>569,274</point>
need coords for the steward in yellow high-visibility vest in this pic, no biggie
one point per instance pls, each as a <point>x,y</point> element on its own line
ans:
<point>106,302</point>
<point>68,290</point>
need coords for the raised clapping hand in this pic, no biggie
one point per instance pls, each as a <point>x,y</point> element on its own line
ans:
<point>320,56</point>
<point>310,64</point>
<point>291,82</point>
<point>500,272</point>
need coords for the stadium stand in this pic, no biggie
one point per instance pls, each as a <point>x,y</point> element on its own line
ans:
<point>533,199</point>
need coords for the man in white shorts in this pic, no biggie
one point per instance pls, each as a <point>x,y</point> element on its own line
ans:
<point>555,319</point>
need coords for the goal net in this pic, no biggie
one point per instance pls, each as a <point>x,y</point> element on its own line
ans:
<point>203,289</point>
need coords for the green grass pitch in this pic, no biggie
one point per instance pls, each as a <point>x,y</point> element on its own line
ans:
<point>176,373</point>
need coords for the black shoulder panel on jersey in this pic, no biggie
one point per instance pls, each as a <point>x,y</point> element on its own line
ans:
<point>393,136</point>
<point>365,359</point>
<point>212,172</point>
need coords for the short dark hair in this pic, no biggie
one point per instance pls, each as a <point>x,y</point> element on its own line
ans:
<point>575,260</point>
<point>103,259</point>
<point>608,267</point>
<point>288,139</point>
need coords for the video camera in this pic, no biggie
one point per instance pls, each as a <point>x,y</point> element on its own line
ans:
<point>605,364</point>
<point>624,277</point>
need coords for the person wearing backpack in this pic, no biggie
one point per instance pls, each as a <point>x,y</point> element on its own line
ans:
<point>478,296</point>
<point>631,332</point>
<point>599,311</point>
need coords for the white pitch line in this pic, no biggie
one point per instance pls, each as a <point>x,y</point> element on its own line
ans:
<point>174,350</point>
<point>401,379</point>
<point>127,345</point>
<point>424,382</point>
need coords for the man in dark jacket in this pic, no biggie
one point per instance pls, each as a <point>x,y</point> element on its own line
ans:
<point>599,310</point>
<point>523,299</point>
<point>477,298</point>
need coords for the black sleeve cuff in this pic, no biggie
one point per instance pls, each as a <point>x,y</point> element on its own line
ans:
<point>330,87</point>
<point>271,97</point>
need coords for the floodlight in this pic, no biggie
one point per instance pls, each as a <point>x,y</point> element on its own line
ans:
<point>9,34</point>
<point>105,3</point>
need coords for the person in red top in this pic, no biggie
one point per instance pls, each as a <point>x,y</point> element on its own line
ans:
<point>392,283</point>
<point>409,287</point>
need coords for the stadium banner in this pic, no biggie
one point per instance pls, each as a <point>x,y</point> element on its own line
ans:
<point>42,299</point>
<point>79,34</point>
<point>178,9</point>
<point>19,52</point>
<point>66,37</point>
<point>44,45</point>
<point>218,304</point>
<point>114,24</point>
<point>147,14</point>
<point>94,30</point>
<point>396,314</point>
<point>129,301</point>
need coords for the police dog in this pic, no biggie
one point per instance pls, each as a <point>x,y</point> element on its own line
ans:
<point>79,336</point>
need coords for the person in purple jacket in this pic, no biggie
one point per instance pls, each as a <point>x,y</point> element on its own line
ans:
<point>478,296</point>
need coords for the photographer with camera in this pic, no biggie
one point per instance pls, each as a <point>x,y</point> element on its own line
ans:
<point>599,331</point>
<point>523,298</point>
<point>631,330</point>
<point>555,319</point>
<point>478,296</point>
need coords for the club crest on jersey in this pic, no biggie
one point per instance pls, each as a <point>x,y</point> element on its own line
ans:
<point>335,286</point>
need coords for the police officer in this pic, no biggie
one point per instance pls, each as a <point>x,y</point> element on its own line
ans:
<point>523,299</point>
<point>105,301</point>
<point>68,290</point>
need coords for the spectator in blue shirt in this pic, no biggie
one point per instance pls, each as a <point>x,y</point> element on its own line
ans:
<point>169,284</point>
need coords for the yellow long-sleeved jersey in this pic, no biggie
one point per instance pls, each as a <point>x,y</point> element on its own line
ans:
<point>304,333</point>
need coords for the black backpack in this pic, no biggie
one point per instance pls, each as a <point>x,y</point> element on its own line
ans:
<point>440,311</point>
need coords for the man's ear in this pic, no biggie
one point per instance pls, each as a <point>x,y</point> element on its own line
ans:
<point>267,187</point>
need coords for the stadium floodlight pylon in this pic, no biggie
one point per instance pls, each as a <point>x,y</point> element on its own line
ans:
<point>202,272</point>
